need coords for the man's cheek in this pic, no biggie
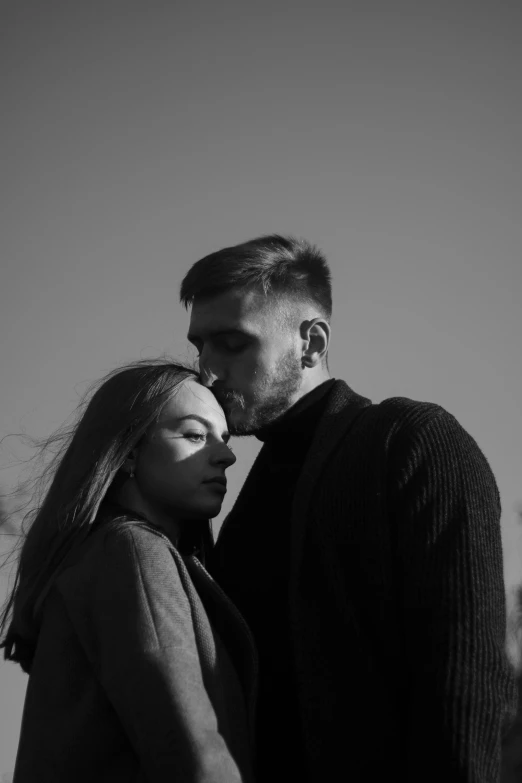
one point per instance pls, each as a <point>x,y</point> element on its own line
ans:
<point>253,369</point>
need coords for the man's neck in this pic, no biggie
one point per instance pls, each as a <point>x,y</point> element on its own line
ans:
<point>311,380</point>
<point>301,417</point>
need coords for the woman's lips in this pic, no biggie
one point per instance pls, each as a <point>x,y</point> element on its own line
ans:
<point>218,482</point>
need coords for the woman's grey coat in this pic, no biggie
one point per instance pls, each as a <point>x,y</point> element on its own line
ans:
<point>143,670</point>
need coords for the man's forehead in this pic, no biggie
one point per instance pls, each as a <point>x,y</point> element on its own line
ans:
<point>229,310</point>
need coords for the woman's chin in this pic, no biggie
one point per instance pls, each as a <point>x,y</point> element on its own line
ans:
<point>206,511</point>
<point>214,512</point>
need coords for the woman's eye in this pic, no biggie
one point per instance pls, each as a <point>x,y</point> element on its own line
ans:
<point>195,436</point>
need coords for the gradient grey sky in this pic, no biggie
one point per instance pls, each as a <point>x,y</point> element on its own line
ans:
<point>137,137</point>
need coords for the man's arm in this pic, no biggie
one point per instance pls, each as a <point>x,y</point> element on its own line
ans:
<point>446,509</point>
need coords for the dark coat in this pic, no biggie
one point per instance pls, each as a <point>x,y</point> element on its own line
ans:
<point>143,670</point>
<point>396,597</point>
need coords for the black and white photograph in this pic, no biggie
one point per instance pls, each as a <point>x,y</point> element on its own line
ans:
<point>261,391</point>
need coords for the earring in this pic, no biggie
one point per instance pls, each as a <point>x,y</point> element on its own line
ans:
<point>131,474</point>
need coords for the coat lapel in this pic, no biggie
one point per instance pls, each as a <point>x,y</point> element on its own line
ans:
<point>232,627</point>
<point>343,407</point>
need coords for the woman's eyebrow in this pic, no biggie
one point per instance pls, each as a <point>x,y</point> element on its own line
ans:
<point>195,416</point>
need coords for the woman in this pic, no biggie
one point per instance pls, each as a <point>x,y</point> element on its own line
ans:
<point>140,667</point>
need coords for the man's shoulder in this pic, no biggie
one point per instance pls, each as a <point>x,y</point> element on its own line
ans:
<point>401,429</point>
<point>391,410</point>
<point>407,409</point>
<point>394,420</point>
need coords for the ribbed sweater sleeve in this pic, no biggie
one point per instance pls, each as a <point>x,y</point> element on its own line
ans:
<point>446,514</point>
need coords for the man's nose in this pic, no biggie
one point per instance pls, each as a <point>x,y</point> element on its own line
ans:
<point>208,370</point>
<point>207,376</point>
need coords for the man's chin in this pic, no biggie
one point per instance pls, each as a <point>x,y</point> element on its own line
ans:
<point>243,422</point>
<point>240,423</point>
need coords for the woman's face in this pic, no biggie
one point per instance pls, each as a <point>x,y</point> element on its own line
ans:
<point>180,464</point>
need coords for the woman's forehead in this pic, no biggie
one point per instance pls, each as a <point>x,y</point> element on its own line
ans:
<point>191,398</point>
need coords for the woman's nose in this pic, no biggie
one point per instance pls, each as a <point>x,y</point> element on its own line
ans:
<point>224,456</point>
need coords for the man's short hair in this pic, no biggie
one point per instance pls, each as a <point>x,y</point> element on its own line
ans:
<point>282,265</point>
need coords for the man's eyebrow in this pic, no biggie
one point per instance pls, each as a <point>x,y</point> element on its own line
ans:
<point>191,337</point>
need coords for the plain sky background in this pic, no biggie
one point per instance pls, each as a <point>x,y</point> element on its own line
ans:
<point>138,137</point>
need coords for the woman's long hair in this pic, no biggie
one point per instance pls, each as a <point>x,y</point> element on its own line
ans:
<point>114,418</point>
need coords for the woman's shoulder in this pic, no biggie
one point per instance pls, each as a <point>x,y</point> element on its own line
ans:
<point>127,530</point>
<point>116,526</point>
<point>119,547</point>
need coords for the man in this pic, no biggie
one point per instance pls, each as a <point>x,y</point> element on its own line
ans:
<point>364,549</point>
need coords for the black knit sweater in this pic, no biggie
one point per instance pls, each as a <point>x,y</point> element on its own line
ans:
<point>261,522</point>
<point>395,597</point>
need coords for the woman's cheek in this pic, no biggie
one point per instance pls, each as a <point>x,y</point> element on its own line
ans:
<point>160,464</point>
<point>171,451</point>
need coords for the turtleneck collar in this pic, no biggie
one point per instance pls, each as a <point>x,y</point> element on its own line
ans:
<point>300,419</point>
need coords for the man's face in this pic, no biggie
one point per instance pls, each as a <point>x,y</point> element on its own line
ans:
<point>249,356</point>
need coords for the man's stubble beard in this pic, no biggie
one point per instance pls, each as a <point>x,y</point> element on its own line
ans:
<point>272,403</point>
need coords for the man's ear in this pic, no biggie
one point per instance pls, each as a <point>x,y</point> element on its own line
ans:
<point>316,338</point>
